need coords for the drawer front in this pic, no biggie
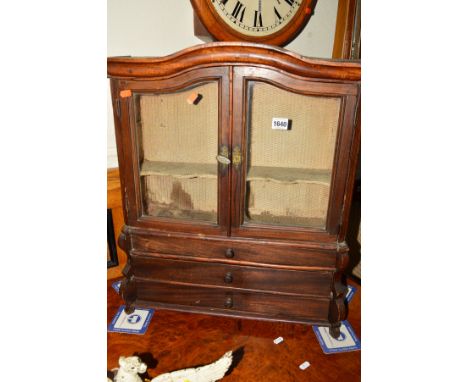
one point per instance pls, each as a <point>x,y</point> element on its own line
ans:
<point>270,306</point>
<point>281,254</point>
<point>315,283</point>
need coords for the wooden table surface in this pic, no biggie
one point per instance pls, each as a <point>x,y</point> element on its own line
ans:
<point>179,340</point>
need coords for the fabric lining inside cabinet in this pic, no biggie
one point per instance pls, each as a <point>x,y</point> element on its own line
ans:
<point>289,171</point>
<point>179,143</point>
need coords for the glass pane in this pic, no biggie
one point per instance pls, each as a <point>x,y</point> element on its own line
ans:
<point>178,146</point>
<point>291,145</point>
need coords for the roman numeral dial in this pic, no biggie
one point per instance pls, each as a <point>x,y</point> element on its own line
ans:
<point>256,17</point>
<point>239,9</point>
<point>278,14</point>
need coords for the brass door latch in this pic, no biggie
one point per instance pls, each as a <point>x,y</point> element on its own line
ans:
<point>223,157</point>
<point>236,157</point>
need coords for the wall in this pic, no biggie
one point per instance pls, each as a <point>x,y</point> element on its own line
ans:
<point>154,28</point>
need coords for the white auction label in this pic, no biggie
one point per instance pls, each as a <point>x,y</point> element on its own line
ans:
<point>280,123</point>
<point>278,340</point>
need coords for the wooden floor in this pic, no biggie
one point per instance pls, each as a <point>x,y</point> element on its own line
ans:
<point>180,340</point>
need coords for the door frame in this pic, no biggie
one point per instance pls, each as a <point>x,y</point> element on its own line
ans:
<point>347,42</point>
<point>129,154</point>
<point>348,92</point>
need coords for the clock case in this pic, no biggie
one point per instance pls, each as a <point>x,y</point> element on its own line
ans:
<point>230,265</point>
<point>209,26</point>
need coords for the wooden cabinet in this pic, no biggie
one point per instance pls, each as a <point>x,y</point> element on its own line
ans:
<point>237,165</point>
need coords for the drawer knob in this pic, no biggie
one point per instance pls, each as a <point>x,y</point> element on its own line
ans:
<point>229,253</point>
<point>229,302</point>
<point>228,278</point>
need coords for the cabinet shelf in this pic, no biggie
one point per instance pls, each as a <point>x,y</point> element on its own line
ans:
<point>180,190</point>
<point>180,169</point>
<point>289,175</point>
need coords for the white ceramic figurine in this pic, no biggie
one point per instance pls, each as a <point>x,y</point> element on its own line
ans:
<point>209,373</point>
<point>129,369</point>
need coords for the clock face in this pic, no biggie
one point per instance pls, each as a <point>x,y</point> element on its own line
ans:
<point>256,17</point>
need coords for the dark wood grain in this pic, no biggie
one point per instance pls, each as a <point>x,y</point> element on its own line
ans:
<point>306,86</point>
<point>177,340</point>
<point>338,307</point>
<point>350,181</point>
<point>192,256</point>
<point>130,150</point>
<point>225,301</point>
<point>343,151</point>
<point>232,276</point>
<point>230,251</point>
<point>232,53</point>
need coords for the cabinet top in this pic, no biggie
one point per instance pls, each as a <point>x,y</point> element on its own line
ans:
<point>228,54</point>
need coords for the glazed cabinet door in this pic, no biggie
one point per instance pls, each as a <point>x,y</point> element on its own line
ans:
<point>174,140</point>
<point>291,152</point>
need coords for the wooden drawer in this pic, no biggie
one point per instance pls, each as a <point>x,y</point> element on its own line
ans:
<point>232,302</point>
<point>237,251</point>
<point>314,283</point>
